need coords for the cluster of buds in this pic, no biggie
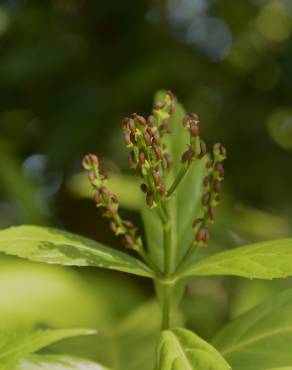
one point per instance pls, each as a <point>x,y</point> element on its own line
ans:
<point>108,204</point>
<point>197,147</point>
<point>212,196</point>
<point>148,156</point>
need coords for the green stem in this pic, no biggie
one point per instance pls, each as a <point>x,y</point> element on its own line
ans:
<point>166,295</point>
<point>179,177</point>
<point>149,262</point>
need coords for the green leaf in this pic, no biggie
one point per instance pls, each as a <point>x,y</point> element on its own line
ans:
<point>15,346</point>
<point>61,247</point>
<point>57,362</point>
<point>181,349</point>
<point>260,338</point>
<point>264,260</point>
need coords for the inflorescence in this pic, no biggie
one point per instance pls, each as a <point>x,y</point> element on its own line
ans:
<point>150,158</point>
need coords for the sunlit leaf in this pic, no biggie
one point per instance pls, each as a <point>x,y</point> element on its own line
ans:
<point>259,339</point>
<point>265,260</point>
<point>57,362</point>
<point>61,247</point>
<point>181,349</point>
<point>15,346</point>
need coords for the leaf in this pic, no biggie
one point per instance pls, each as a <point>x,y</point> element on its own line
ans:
<point>61,247</point>
<point>260,338</point>
<point>136,334</point>
<point>264,260</point>
<point>56,362</point>
<point>181,349</point>
<point>15,346</point>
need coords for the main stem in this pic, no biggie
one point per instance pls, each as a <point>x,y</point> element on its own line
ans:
<point>168,262</point>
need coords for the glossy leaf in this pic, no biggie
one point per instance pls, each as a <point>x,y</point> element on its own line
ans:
<point>264,260</point>
<point>181,349</point>
<point>259,339</point>
<point>61,247</point>
<point>16,346</point>
<point>57,362</point>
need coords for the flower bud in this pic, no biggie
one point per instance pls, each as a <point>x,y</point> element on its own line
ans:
<point>131,159</point>
<point>144,188</point>
<point>193,116</point>
<point>111,210</point>
<point>203,235</point>
<point>113,226</point>
<point>162,190</point>
<point>206,199</point>
<point>212,214</point>
<point>196,222</point>
<point>90,161</point>
<point>149,199</point>
<point>203,149</point>
<point>220,169</point>
<point>125,122</point>
<point>164,127</point>
<point>128,224</point>
<point>159,105</point>
<point>147,138</point>
<point>106,193</point>
<point>194,130</point>
<point>141,157</point>
<point>91,176</point>
<point>131,125</point>
<point>188,155</point>
<point>206,180</point>
<point>141,120</point>
<point>114,198</point>
<point>171,107</point>
<point>217,186</point>
<point>96,197</point>
<point>128,241</point>
<point>127,139</point>
<point>150,121</point>
<point>157,151</point>
<point>156,137</point>
<point>209,164</point>
<point>156,177</point>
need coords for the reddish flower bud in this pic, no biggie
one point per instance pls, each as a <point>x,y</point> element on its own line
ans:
<point>111,210</point>
<point>128,241</point>
<point>171,108</point>
<point>142,157</point>
<point>89,161</point>
<point>193,116</point>
<point>147,138</point>
<point>156,177</point>
<point>141,120</point>
<point>157,151</point>
<point>149,199</point>
<point>150,121</point>
<point>164,127</point>
<point>91,176</point>
<point>188,155</point>
<point>220,169</point>
<point>128,224</point>
<point>206,180</point>
<point>144,188</point>
<point>105,192</point>
<point>217,186</point>
<point>131,125</point>
<point>125,123</point>
<point>206,199</point>
<point>162,189</point>
<point>212,214</point>
<point>203,235</point>
<point>203,149</point>
<point>156,137</point>
<point>209,164</point>
<point>194,130</point>
<point>159,105</point>
<point>113,226</point>
<point>96,197</point>
<point>185,120</point>
<point>127,139</point>
<point>114,198</point>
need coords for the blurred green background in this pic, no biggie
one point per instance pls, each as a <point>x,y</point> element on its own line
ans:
<point>69,71</point>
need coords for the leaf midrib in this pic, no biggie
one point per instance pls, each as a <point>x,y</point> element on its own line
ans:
<point>256,339</point>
